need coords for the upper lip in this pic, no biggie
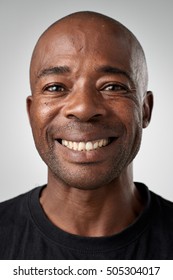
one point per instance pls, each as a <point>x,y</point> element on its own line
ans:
<point>86,132</point>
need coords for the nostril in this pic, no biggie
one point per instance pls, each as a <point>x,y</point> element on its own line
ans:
<point>71,116</point>
<point>96,116</point>
<point>84,118</point>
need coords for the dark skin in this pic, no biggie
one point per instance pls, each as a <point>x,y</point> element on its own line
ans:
<point>86,88</point>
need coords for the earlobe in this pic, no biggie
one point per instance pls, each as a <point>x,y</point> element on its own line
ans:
<point>28,106</point>
<point>147,108</point>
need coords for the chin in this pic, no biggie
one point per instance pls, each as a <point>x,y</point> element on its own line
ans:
<point>85,178</point>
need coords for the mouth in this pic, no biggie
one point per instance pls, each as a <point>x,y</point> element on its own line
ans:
<point>86,146</point>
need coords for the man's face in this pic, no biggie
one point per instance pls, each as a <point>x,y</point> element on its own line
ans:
<point>86,111</point>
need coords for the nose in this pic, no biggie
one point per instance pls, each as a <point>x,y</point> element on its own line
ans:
<point>85,105</point>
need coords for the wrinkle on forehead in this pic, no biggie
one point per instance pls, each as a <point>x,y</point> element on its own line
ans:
<point>75,28</point>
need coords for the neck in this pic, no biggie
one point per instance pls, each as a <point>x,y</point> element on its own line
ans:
<point>100,212</point>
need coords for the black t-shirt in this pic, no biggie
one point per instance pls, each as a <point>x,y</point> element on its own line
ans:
<point>26,233</point>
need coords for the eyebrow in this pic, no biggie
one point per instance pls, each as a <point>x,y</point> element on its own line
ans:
<point>113,70</point>
<point>53,71</point>
<point>100,69</point>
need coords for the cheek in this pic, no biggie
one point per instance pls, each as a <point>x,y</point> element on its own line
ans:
<point>134,125</point>
<point>42,113</point>
<point>128,112</point>
<point>130,115</point>
<point>133,129</point>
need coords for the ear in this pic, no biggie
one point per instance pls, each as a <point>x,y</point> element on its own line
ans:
<point>147,108</point>
<point>28,106</point>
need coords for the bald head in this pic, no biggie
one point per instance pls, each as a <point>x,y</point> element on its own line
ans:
<point>88,82</point>
<point>97,29</point>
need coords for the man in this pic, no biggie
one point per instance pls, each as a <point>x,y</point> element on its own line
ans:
<point>88,107</point>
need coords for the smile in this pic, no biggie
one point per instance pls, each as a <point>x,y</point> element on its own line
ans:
<point>86,146</point>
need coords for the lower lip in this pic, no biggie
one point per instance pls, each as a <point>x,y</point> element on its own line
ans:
<point>86,157</point>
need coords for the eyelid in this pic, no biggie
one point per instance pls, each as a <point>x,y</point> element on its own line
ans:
<point>46,87</point>
<point>122,86</point>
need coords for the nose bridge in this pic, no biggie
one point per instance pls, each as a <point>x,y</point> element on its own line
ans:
<point>84,102</point>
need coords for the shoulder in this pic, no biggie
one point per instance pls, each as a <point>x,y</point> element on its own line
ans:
<point>165,205</point>
<point>160,209</point>
<point>8,206</point>
<point>154,200</point>
<point>15,224</point>
<point>13,208</point>
<point>161,225</point>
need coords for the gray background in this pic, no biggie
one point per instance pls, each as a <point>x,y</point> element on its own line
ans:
<point>21,23</point>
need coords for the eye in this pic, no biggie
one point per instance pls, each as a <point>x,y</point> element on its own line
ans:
<point>54,88</point>
<point>114,88</point>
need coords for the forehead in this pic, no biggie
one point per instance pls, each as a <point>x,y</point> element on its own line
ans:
<point>81,42</point>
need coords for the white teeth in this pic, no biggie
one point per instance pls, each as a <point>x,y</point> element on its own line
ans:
<point>75,146</point>
<point>85,146</point>
<point>96,145</point>
<point>101,143</point>
<point>70,145</point>
<point>65,143</point>
<point>104,142</point>
<point>81,146</point>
